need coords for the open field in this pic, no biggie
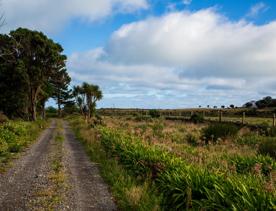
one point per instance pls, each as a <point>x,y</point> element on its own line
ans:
<point>237,115</point>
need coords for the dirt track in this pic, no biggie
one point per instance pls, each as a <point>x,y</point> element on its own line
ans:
<point>85,190</point>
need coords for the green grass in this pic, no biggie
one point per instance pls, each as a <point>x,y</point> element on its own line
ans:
<point>184,186</point>
<point>130,192</point>
<point>15,136</point>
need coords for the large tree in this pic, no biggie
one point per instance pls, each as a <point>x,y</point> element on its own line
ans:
<point>28,62</point>
<point>13,86</point>
<point>61,92</point>
<point>42,59</point>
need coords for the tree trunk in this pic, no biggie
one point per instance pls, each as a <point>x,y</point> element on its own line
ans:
<point>59,110</point>
<point>33,99</point>
<point>33,110</point>
<point>43,111</point>
<point>59,104</point>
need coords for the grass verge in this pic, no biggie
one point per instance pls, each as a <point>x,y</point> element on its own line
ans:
<point>15,136</point>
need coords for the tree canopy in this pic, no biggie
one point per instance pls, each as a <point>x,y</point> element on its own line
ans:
<point>32,70</point>
<point>30,62</point>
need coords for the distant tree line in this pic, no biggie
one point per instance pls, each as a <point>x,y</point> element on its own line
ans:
<point>266,102</point>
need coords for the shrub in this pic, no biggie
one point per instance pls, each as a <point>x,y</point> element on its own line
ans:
<point>197,118</point>
<point>268,147</point>
<point>271,131</point>
<point>154,113</point>
<point>246,164</point>
<point>157,129</point>
<point>192,139</point>
<point>251,140</point>
<point>3,118</point>
<point>3,146</point>
<point>220,131</point>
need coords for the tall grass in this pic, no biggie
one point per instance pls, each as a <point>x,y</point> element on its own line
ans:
<point>15,135</point>
<point>130,193</point>
<point>184,186</point>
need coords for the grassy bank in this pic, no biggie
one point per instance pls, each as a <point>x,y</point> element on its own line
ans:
<point>16,136</point>
<point>130,192</point>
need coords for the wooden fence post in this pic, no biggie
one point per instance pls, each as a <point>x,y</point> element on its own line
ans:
<point>220,115</point>
<point>274,117</point>
<point>243,117</point>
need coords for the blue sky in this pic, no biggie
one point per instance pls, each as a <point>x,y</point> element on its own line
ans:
<point>161,54</point>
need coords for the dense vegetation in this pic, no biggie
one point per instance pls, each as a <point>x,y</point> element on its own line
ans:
<point>32,69</point>
<point>185,174</point>
<point>15,135</point>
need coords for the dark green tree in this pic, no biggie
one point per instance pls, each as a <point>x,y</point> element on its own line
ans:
<point>13,86</point>
<point>42,59</point>
<point>61,93</point>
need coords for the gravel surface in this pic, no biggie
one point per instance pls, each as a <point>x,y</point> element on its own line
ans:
<point>29,171</point>
<point>91,191</point>
<point>85,189</point>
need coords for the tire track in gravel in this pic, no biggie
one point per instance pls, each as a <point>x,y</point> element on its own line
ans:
<point>28,172</point>
<point>20,186</point>
<point>91,193</point>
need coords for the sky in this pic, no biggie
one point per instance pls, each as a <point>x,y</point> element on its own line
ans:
<point>160,53</point>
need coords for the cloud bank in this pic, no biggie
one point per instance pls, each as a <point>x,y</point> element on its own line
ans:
<point>184,56</point>
<point>52,15</point>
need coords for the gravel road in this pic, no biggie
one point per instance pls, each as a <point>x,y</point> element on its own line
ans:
<point>30,173</point>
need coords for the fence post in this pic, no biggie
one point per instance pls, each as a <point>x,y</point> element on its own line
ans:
<point>243,117</point>
<point>274,117</point>
<point>220,115</point>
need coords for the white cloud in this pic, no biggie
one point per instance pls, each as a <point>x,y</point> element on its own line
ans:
<point>51,15</point>
<point>199,44</point>
<point>182,59</point>
<point>187,2</point>
<point>256,9</point>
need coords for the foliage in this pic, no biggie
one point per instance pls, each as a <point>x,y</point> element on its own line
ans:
<point>154,113</point>
<point>129,193</point>
<point>3,118</point>
<point>246,164</point>
<point>86,97</point>
<point>184,186</point>
<point>197,118</point>
<point>29,60</point>
<point>192,139</point>
<point>157,128</point>
<point>251,140</point>
<point>220,131</point>
<point>268,147</point>
<point>61,92</point>
<point>16,134</point>
<point>51,111</point>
